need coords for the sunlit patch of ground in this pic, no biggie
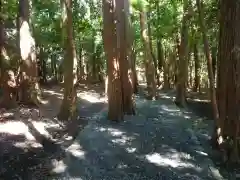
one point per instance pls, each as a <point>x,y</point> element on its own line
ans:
<point>27,133</point>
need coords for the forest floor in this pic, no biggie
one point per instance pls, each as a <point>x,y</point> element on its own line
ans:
<point>161,142</point>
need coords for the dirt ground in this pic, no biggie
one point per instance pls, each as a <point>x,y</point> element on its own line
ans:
<point>32,139</point>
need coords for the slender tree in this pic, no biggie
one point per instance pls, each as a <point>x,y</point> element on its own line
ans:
<point>148,61</point>
<point>68,108</point>
<point>209,63</point>
<point>29,88</point>
<point>182,70</point>
<point>125,47</point>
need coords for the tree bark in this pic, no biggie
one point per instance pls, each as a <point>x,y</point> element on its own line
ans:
<point>210,70</point>
<point>29,87</point>
<point>68,109</point>
<point>151,49</point>
<point>229,80</point>
<point>125,47</point>
<point>214,61</point>
<point>134,72</point>
<point>114,89</point>
<point>182,71</point>
<point>148,61</point>
<point>197,69</point>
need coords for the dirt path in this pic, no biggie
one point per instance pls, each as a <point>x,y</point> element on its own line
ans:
<point>33,142</point>
<point>158,143</point>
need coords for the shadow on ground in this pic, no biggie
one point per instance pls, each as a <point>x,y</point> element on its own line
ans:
<point>158,143</point>
<point>200,105</point>
<point>22,158</point>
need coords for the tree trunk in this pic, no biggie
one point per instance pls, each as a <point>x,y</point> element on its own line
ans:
<point>197,69</point>
<point>214,61</point>
<point>151,49</point>
<point>229,80</point>
<point>148,61</point>
<point>1,46</point>
<point>134,72</point>
<point>114,89</point>
<point>160,53</point>
<point>160,57</point>
<point>68,110</point>
<point>125,47</point>
<point>210,70</point>
<point>29,87</point>
<point>166,84</point>
<point>43,66</point>
<point>80,70</point>
<point>182,71</point>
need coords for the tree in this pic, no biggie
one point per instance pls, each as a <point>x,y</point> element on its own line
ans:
<point>229,80</point>
<point>182,64</point>
<point>210,69</point>
<point>114,88</point>
<point>117,45</point>
<point>197,68</point>
<point>148,61</point>
<point>125,47</point>
<point>29,88</point>
<point>68,108</point>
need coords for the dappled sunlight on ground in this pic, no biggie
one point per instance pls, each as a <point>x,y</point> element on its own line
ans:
<point>90,97</point>
<point>173,160</point>
<point>158,143</point>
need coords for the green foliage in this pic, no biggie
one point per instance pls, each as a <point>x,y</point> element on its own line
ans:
<point>164,16</point>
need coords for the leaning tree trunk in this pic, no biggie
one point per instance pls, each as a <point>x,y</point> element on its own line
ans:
<point>68,109</point>
<point>148,61</point>
<point>114,89</point>
<point>229,79</point>
<point>182,71</point>
<point>210,70</point>
<point>29,87</point>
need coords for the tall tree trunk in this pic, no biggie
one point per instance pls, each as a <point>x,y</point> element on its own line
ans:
<point>149,65</point>
<point>1,44</point>
<point>229,80</point>
<point>166,84</point>
<point>29,88</point>
<point>80,70</point>
<point>68,109</point>
<point>190,75</point>
<point>133,57</point>
<point>197,68</point>
<point>93,60</point>
<point>182,71</point>
<point>160,53</point>
<point>214,61</point>
<point>177,64</point>
<point>210,70</point>
<point>134,72</point>
<point>114,89</point>
<point>151,49</point>
<point>43,66</point>
<point>125,47</point>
